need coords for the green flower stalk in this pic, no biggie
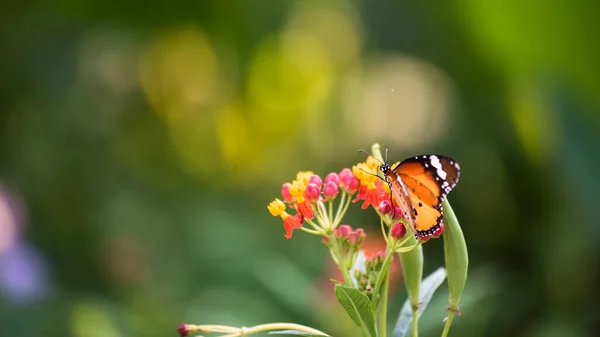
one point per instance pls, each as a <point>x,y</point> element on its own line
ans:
<point>457,262</point>
<point>412,268</point>
<point>185,330</point>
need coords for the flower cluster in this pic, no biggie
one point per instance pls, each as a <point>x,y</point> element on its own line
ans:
<point>308,195</point>
<point>317,206</point>
<point>346,243</point>
<point>367,279</point>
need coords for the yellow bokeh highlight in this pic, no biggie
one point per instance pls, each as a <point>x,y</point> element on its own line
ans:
<point>180,67</point>
<point>400,100</point>
<point>287,80</point>
<point>292,74</point>
<point>335,23</point>
<point>236,140</point>
<point>283,103</point>
<point>534,126</point>
<point>179,71</point>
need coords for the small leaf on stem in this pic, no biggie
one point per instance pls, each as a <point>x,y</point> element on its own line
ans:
<point>358,307</point>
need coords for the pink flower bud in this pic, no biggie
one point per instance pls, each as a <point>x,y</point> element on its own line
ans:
<point>285,192</point>
<point>343,231</point>
<point>315,179</point>
<point>183,330</point>
<point>385,207</point>
<point>348,181</point>
<point>398,213</point>
<point>312,192</point>
<point>330,190</point>
<point>345,173</point>
<point>398,230</point>
<point>357,237</point>
<point>352,184</point>
<point>332,177</point>
<point>375,262</point>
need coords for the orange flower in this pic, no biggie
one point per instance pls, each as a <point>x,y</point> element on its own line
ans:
<point>305,208</point>
<point>372,190</point>
<point>291,222</point>
<point>373,193</point>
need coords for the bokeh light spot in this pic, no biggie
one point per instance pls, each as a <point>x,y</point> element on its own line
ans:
<point>8,223</point>
<point>534,125</point>
<point>399,99</point>
<point>180,68</point>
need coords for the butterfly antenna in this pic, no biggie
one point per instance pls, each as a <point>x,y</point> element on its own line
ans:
<point>369,173</point>
<point>386,151</point>
<point>363,151</point>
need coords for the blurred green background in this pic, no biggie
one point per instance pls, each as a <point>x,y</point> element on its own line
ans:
<point>141,142</point>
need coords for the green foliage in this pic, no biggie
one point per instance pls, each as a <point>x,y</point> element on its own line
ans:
<point>428,287</point>
<point>358,307</point>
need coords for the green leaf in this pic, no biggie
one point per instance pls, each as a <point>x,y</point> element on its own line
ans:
<point>295,333</point>
<point>428,288</point>
<point>358,307</point>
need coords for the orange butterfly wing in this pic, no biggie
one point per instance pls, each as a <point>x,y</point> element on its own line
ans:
<point>424,181</point>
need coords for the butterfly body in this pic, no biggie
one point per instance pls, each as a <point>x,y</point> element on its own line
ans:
<point>419,185</point>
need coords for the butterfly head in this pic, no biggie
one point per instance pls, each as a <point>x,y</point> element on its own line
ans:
<point>385,168</point>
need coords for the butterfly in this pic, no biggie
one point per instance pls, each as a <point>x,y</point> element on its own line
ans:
<point>419,185</point>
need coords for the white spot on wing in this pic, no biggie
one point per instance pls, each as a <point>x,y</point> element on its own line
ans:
<point>435,162</point>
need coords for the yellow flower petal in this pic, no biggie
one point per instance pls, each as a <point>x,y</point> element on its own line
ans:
<point>276,207</point>
<point>372,163</point>
<point>304,176</point>
<point>297,188</point>
<point>364,173</point>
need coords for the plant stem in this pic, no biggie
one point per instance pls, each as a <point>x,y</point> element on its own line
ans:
<point>383,232</point>
<point>448,323</point>
<point>383,307</point>
<point>383,274</point>
<point>330,206</point>
<point>283,326</point>
<point>343,211</point>
<point>339,210</point>
<point>415,322</point>
<point>341,261</point>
